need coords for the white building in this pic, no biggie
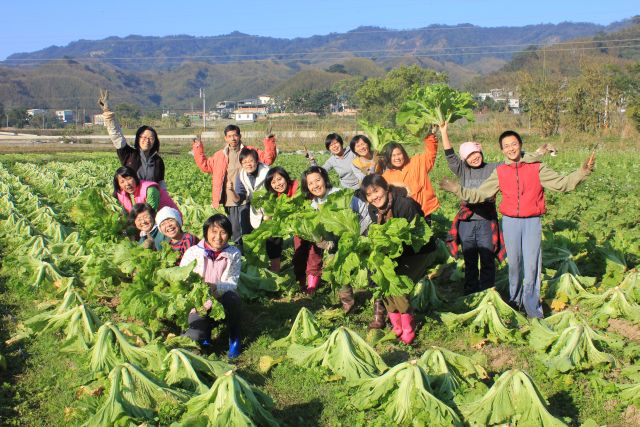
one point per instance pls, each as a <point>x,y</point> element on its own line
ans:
<point>65,116</point>
<point>246,117</point>
<point>98,120</point>
<point>36,112</point>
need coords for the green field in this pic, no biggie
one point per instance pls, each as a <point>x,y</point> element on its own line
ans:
<point>594,231</point>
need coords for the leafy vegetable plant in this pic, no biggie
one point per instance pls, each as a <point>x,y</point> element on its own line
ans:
<point>344,353</point>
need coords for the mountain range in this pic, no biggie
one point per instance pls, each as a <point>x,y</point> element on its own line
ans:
<point>156,72</point>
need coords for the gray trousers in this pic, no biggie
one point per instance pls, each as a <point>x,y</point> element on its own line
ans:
<point>523,238</point>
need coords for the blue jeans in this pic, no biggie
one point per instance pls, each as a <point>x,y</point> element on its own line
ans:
<point>477,244</point>
<point>523,238</point>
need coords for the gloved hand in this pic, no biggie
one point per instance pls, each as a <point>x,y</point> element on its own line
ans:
<point>449,185</point>
<point>547,148</point>
<point>590,163</point>
<point>326,245</point>
<point>103,100</point>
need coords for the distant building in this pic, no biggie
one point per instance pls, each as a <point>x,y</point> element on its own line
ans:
<point>265,99</point>
<point>245,117</point>
<point>36,112</point>
<point>65,116</point>
<point>167,114</point>
<point>98,120</point>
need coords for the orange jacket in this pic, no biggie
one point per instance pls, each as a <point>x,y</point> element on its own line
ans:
<point>217,164</point>
<point>415,176</point>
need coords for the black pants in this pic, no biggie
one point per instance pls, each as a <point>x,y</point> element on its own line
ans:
<point>240,222</point>
<point>200,327</point>
<point>477,244</point>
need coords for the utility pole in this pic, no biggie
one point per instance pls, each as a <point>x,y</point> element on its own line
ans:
<point>606,108</point>
<point>204,109</point>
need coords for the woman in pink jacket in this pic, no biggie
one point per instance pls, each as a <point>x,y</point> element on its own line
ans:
<point>130,190</point>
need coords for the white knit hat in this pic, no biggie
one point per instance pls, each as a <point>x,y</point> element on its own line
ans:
<point>166,213</point>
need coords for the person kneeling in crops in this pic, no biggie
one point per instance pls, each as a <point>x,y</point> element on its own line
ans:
<point>149,236</point>
<point>218,264</point>
<point>129,190</point>
<point>386,202</point>
<point>307,256</point>
<point>169,221</point>
<point>522,184</point>
<point>278,182</point>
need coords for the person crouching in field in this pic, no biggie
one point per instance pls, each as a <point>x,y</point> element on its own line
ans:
<point>522,185</point>
<point>218,264</point>
<point>223,166</point>
<point>149,236</point>
<point>307,256</point>
<point>367,161</point>
<point>169,222</point>
<point>341,160</point>
<point>250,179</point>
<point>278,182</point>
<point>144,157</point>
<point>129,190</point>
<point>386,202</point>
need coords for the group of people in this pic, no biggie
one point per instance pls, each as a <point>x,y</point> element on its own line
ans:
<point>387,184</point>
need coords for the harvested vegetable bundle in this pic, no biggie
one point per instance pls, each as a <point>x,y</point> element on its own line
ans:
<point>564,289</point>
<point>230,401</point>
<point>185,369</point>
<point>425,296</point>
<point>434,105</point>
<point>570,347</point>
<point>304,331</point>
<point>561,253</point>
<point>73,317</point>
<point>112,347</point>
<point>134,393</point>
<point>449,372</point>
<point>513,399</point>
<point>344,353</point>
<point>631,285</point>
<point>611,304</point>
<point>491,318</point>
<point>405,395</point>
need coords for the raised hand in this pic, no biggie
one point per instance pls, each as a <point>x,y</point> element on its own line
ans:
<point>103,100</point>
<point>590,163</point>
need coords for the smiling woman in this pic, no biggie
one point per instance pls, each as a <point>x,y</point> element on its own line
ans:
<point>129,190</point>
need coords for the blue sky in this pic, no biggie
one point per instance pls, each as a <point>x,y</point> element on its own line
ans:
<point>32,25</point>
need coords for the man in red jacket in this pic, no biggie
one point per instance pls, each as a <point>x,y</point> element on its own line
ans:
<point>522,185</point>
<point>223,166</point>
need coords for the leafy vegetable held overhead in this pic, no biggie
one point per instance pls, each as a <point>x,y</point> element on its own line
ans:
<point>344,353</point>
<point>449,372</point>
<point>380,135</point>
<point>230,401</point>
<point>513,399</point>
<point>433,105</point>
<point>405,395</point>
<point>304,331</point>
